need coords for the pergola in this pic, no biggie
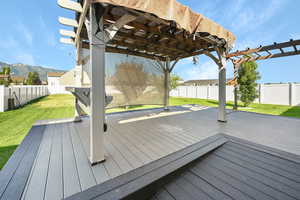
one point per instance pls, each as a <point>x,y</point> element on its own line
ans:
<point>161,30</point>
<point>275,50</point>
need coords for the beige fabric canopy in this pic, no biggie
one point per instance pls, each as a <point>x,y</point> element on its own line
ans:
<point>172,10</point>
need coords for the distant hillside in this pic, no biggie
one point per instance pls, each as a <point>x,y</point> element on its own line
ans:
<point>23,70</point>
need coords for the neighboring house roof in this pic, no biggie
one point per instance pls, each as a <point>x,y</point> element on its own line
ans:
<point>205,82</point>
<point>55,74</point>
<point>18,79</point>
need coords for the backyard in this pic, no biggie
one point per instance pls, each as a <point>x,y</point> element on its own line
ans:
<point>16,123</point>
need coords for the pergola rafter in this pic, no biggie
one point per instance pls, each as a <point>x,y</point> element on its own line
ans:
<point>247,55</point>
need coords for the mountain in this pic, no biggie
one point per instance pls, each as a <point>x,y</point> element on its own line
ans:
<point>23,70</point>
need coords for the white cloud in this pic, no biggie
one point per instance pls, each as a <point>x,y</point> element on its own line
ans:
<point>252,17</point>
<point>25,58</point>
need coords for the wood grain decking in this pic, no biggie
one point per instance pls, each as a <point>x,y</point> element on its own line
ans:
<point>61,167</point>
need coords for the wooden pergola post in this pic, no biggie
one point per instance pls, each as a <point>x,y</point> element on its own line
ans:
<point>222,85</point>
<point>235,91</point>
<point>97,105</point>
<point>221,62</point>
<point>167,84</point>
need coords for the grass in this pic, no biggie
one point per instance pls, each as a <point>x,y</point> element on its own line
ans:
<point>281,110</point>
<point>15,124</point>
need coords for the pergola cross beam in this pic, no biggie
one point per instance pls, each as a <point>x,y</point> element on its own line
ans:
<point>255,55</point>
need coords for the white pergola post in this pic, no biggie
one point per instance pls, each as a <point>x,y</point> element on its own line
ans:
<point>222,86</point>
<point>167,84</point>
<point>97,66</point>
<point>221,62</point>
<point>78,83</point>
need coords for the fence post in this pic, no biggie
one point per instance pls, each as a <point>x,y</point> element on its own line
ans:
<point>292,94</point>
<point>260,98</point>
<point>207,92</point>
<point>19,96</point>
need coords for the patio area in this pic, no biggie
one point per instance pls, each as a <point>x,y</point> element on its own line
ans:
<point>60,166</point>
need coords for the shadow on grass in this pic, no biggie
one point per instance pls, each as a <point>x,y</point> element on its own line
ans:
<point>5,153</point>
<point>292,112</point>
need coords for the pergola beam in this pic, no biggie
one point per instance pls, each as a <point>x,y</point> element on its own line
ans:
<point>68,22</point>
<point>267,48</point>
<point>67,33</point>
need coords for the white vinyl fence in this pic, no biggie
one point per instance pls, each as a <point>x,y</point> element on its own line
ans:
<point>281,94</point>
<point>20,95</point>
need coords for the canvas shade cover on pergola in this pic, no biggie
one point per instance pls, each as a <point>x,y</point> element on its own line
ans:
<point>162,30</point>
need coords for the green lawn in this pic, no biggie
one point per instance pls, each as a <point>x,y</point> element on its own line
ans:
<point>15,124</point>
<point>289,111</point>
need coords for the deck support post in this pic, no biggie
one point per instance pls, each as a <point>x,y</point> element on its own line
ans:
<point>221,62</point>
<point>167,84</point>
<point>97,73</point>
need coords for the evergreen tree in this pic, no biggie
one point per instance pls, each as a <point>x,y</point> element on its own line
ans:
<point>33,79</point>
<point>247,77</point>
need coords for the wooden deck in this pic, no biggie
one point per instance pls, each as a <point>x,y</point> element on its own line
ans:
<point>61,167</point>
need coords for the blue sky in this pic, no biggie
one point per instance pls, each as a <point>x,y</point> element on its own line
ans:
<point>29,34</point>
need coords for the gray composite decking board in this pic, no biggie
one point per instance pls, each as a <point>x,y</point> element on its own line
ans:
<point>260,167</point>
<point>268,157</point>
<point>145,158</point>
<point>38,179</point>
<point>205,186</point>
<point>161,143</point>
<point>126,153</point>
<point>70,172</point>
<point>179,138</point>
<point>264,165</point>
<point>153,144</point>
<point>161,134</point>
<point>178,193</point>
<point>237,184</point>
<point>263,176</point>
<point>220,184</point>
<point>234,171</point>
<point>85,173</point>
<point>135,179</point>
<point>122,163</point>
<point>54,189</point>
<point>162,194</point>
<point>14,179</point>
<point>144,146</point>
<point>266,149</point>
<point>269,160</point>
<point>191,189</point>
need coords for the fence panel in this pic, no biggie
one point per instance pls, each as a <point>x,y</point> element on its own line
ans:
<point>281,94</point>
<point>275,94</point>
<point>20,95</point>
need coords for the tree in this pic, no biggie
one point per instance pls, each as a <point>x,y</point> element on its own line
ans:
<point>33,79</point>
<point>174,81</point>
<point>131,80</point>
<point>247,77</point>
<point>5,71</point>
